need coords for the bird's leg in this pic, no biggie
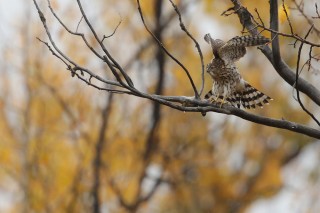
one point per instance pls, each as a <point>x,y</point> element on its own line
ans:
<point>223,100</point>
<point>225,94</point>
<point>213,98</point>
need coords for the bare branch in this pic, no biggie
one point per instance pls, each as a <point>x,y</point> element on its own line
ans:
<point>318,15</point>
<point>74,33</point>
<point>297,80</point>
<point>79,23</point>
<point>53,52</point>
<point>287,17</point>
<point>108,55</point>
<point>114,31</point>
<point>182,26</point>
<point>67,61</point>
<point>310,21</point>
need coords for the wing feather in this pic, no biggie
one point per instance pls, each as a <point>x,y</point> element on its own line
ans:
<point>235,48</point>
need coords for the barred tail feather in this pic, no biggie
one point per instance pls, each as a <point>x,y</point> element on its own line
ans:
<point>235,100</point>
<point>208,95</point>
<point>251,97</point>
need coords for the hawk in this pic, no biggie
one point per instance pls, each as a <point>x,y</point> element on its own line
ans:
<point>228,85</point>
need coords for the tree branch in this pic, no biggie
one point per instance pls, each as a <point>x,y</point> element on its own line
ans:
<point>189,104</point>
<point>183,27</point>
<point>108,55</point>
<point>280,66</point>
<point>98,160</point>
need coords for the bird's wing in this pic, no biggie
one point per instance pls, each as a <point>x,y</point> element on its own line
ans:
<point>232,51</point>
<point>215,44</point>
<point>235,48</point>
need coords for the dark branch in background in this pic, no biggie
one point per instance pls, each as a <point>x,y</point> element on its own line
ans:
<point>149,41</point>
<point>167,52</point>
<point>274,25</point>
<point>181,103</point>
<point>99,149</point>
<point>74,121</point>
<point>152,138</point>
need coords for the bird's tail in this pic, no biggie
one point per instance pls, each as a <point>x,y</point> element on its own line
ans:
<point>250,97</point>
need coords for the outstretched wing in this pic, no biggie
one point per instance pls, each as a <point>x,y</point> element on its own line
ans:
<point>235,48</point>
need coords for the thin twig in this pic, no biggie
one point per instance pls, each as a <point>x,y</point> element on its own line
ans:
<point>53,52</point>
<point>297,78</point>
<point>114,31</point>
<point>108,56</point>
<point>316,17</point>
<point>78,22</point>
<point>259,17</point>
<point>182,26</point>
<point>287,17</point>
<point>309,20</point>
<point>66,60</point>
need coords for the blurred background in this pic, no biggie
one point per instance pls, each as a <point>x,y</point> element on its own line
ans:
<point>67,147</point>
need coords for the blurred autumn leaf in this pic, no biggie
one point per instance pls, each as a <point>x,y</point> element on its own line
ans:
<point>50,124</point>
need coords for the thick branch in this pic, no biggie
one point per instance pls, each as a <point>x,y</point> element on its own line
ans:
<point>280,66</point>
<point>274,25</point>
<point>202,106</point>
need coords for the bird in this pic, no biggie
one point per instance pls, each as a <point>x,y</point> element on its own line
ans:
<point>228,84</point>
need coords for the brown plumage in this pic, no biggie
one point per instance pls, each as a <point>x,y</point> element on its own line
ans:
<point>228,85</point>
